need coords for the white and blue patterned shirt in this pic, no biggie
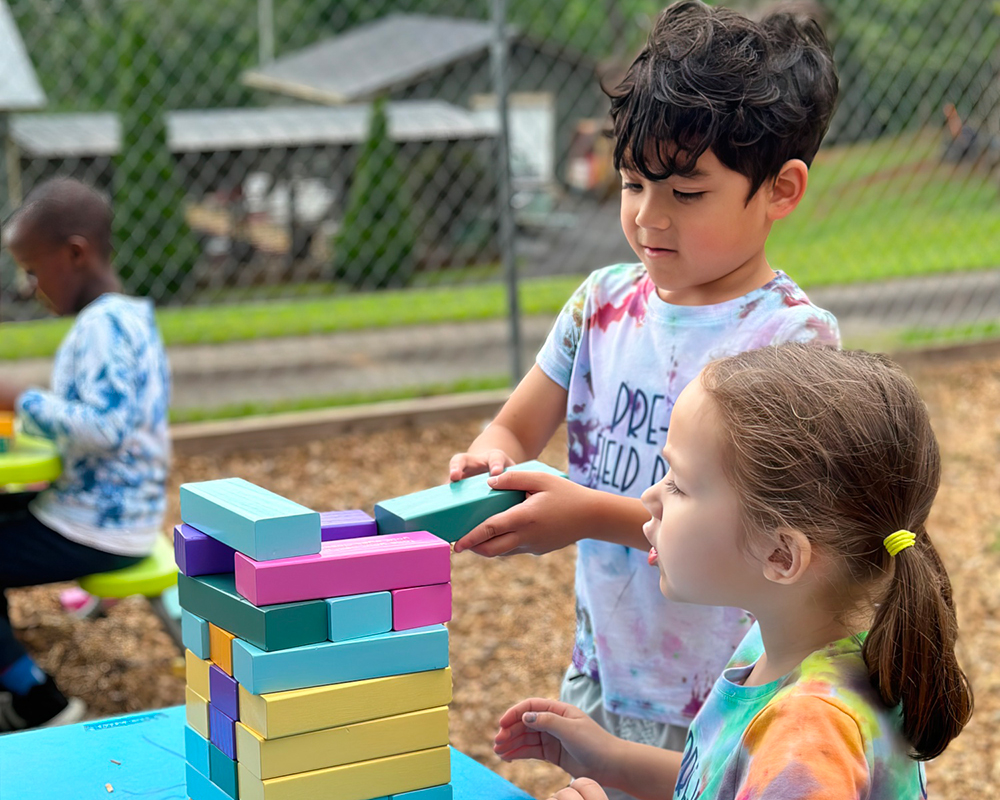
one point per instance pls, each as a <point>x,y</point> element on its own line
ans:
<point>107,414</point>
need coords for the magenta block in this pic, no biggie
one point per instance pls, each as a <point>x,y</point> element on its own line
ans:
<point>197,553</point>
<point>224,691</point>
<point>222,731</point>
<point>336,525</point>
<point>347,566</point>
<point>420,606</point>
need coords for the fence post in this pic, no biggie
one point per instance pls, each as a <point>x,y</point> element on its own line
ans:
<point>499,63</point>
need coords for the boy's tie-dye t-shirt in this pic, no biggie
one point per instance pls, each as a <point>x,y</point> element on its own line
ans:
<point>624,355</point>
<point>819,733</point>
<point>107,413</point>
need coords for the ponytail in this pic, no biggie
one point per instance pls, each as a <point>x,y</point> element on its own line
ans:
<point>910,650</point>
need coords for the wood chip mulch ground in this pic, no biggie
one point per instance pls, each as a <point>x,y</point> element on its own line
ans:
<point>513,626</point>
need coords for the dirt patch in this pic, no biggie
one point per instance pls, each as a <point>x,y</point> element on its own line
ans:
<point>513,627</point>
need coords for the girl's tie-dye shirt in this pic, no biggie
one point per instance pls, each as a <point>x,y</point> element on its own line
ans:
<point>107,414</point>
<point>624,355</point>
<point>819,733</point>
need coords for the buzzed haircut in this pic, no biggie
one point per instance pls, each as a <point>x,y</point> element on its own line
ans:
<point>63,207</point>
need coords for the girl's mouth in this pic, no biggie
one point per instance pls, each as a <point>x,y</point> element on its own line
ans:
<point>653,556</point>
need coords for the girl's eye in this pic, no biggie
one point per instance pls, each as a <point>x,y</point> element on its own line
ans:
<point>687,197</point>
<point>671,486</point>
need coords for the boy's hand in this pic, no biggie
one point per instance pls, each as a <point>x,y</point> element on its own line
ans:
<point>465,465</point>
<point>553,515</point>
<point>581,789</point>
<point>9,392</point>
<point>560,734</point>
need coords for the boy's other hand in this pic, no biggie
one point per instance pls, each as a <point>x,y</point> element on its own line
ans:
<point>561,734</point>
<point>581,789</point>
<point>465,465</point>
<point>554,514</point>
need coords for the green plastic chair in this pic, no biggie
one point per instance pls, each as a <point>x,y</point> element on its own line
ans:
<point>155,577</point>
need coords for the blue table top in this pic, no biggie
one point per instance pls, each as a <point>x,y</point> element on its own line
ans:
<point>79,760</point>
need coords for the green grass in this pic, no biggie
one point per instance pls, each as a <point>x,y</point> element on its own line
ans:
<point>874,211</point>
<point>250,409</point>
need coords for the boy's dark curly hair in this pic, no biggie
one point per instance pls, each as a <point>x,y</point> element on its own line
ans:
<point>756,93</point>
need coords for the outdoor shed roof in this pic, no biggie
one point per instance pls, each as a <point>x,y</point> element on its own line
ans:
<point>212,130</point>
<point>385,54</point>
<point>19,87</point>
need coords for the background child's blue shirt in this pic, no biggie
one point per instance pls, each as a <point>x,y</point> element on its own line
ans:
<point>107,413</point>
<point>819,733</point>
<point>624,355</point>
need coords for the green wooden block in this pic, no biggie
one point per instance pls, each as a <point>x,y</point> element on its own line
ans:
<point>275,627</point>
<point>451,510</point>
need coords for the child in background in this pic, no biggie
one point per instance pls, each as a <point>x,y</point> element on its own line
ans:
<point>716,123</point>
<point>799,488</point>
<point>106,412</point>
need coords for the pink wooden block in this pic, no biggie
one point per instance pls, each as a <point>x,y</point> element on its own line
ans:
<point>347,566</point>
<point>421,605</point>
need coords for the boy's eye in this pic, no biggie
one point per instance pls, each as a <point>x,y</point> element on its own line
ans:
<point>631,187</point>
<point>687,197</point>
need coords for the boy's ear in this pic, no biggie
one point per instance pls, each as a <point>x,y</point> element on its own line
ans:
<point>788,188</point>
<point>79,248</point>
<point>789,558</point>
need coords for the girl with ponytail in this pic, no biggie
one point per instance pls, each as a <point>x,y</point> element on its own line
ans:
<point>800,484</point>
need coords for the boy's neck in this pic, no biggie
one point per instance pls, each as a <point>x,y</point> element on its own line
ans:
<point>748,277</point>
<point>102,283</point>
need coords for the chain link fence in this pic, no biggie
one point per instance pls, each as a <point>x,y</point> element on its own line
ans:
<point>314,191</point>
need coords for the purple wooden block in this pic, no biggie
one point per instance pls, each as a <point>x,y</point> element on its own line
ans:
<point>224,691</point>
<point>345,525</point>
<point>197,553</point>
<point>222,731</point>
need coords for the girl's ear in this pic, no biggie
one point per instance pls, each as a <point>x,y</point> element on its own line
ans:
<point>790,557</point>
<point>788,189</point>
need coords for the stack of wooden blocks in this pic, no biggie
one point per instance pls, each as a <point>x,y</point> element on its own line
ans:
<point>6,431</point>
<point>317,661</point>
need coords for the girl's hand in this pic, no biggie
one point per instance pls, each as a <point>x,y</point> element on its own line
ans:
<point>465,465</point>
<point>581,789</point>
<point>560,734</point>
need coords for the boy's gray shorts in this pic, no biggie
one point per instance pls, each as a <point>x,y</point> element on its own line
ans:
<point>584,692</point>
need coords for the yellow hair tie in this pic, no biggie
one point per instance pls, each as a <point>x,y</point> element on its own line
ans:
<point>898,541</point>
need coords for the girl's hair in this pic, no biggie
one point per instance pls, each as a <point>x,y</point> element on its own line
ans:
<point>839,445</point>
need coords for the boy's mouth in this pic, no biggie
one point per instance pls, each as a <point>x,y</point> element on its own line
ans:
<point>657,252</point>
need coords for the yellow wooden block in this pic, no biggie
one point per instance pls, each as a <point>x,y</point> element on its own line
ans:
<point>376,738</point>
<point>220,648</point>
<point>302,710</point>
<point>7,424</point>
<point>359,781</point>
<point>196,673</point>
<point>196,710</point>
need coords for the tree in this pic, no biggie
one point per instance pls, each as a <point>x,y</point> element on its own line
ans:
<point>376,243</point>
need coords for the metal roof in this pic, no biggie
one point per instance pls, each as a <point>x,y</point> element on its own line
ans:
<point>19,87</point>
<point>385,54</point>
<point>212,130</point>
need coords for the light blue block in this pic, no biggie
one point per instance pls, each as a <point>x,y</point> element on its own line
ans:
<point>196,749</point>
<point>250,519</point>
<point>194,634</point>
<point>442,792</point>
<point>393,653</point>
<point>359,615</point>
<point>199,787</point>
<point>451,510</point>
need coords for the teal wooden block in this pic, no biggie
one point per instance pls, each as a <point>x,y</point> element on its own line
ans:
<point>194,634</point>
<point>442,792</point>
<point>196,750</point>
<point>453,509</point>
<point>199,787</point>
<point>222,771</point>
<point>393,653</point>
<point>358,615</point>
<point>277,627</point>
<point>250,519</point>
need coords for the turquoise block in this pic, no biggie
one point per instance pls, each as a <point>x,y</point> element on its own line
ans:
<point>194,634</point>
<point>359,615</point>
<point>250,519</point>
<point>393,653</point>
<point>453,509</point>
<point>276,627</point>
<point>222,771</point>
<point>442,792</point>
<point>196,749</point>
<point>199,787</point>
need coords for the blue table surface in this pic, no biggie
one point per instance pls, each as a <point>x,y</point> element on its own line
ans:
<point>76,761</point>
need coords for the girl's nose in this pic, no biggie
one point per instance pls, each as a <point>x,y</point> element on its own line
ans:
<point>650,501</point>
<point>651,214</point>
